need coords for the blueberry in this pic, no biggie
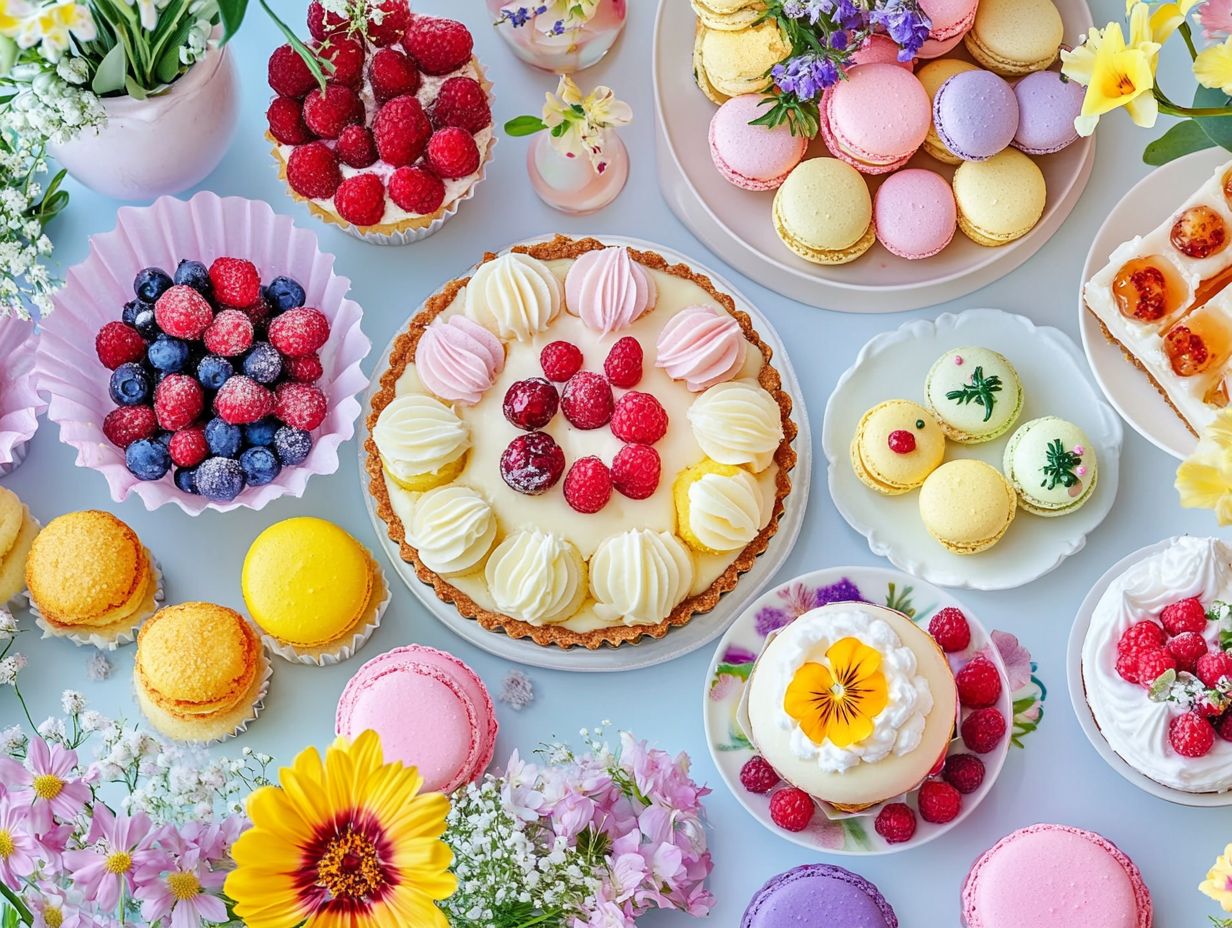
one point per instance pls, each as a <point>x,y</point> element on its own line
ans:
<point>261,432</point>
<point>131,309</point>
<point>284,293</point>
<point>264,363</point>
<point>220,479</point>
<point>214,371</point>
<point>260,466</point>
<point>147,459</point>
<point>151,283</point>
<point>146,325</point>
<point>194,274</point>
<point>224,439</point>
<point>165,437</point>
<point>186,479</point>
<point>292,445</point>
<point>168,354</point>
<point>131,384</point>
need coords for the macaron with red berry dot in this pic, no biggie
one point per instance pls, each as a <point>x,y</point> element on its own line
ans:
<point>975,393</point>
<point>897,445</point>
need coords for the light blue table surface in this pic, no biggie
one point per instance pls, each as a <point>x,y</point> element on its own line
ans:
<point>1057,778</point>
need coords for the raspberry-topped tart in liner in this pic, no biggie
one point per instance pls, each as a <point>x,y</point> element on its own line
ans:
<point>580,444</point>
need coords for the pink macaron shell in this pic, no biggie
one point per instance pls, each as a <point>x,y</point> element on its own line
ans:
<point>749,156</point>
<point>880,49</point>
<point>877,118</point>
<point>935,48</point>
<point>950,18</point>
<point>914,213</point>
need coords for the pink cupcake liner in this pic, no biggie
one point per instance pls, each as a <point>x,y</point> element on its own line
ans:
<point>20,403</point>
<point>67,369</point>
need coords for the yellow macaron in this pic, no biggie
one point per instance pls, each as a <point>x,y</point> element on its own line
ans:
<point>1016,37</point>
<point>932,76</point>
<point>719,507</point>
<point>729,14</point>
<point>12,514</point>
<point>1001,199</point>
<point>17,531</point>
<point>967,506</point>
<point>824,213</point>
<point>738,62</point>
<point>897,445</point>
<point>700,77</point>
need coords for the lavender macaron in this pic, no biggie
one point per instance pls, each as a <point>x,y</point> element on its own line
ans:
<point>818,894</point>
<point>975,114</point>
<point>1047,107</point>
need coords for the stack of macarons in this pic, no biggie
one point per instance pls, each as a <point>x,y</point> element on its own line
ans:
<point>729,15</point>
<point>819,894</point>
<point>17,530</point>
<point>736,59</point>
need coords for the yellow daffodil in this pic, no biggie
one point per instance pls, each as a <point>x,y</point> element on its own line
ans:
<point>1213,66</point>
<point>52,26</point>
<point>580,125</point>
<point>1115,74</point>
<point>1204,479</point>
<point>839,702</point>
<point>1157,26</point>
<point>1218,882</point>
<point>345,843</point>
<point>12,12</point>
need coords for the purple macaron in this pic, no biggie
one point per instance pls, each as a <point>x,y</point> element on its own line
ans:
<point>1047,108</point>
<point>975,114</point>
<point>819,894</point>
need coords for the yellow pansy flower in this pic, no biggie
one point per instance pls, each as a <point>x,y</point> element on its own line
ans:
<point>1204,479</point>
<point>1116,74</point>
<point>1213,66</point>
<point>1218,882</point>
<point>838,703</point>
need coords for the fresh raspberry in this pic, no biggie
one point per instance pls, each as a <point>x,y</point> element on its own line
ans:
<point>462,102</point>
<point>1127,666</point>
<point>307,369</point>
<point>532,463</point>
<point>896,823</point>
<point>1187,647</point>
<point>127,424</point>
<point>347,57</point>
<point>901,441</point>
<point>300,405</point>
<point>117,343</point>
<point>356,147</point>
<point>623,366</point>
<point>587,401</point>
<point>939,802</point>
<point>392,74</point>
<point>792,809</point>
<point>1185,616</point>
<point>327,112</point>
<point>635,471</point>
<point>1152,665</point>
<point>402,131</point>
<point>1191,735</point>
<point>394,17</point>
<point>979,684</point>
<point>1213,667</point>
<point>588,485</point>
<point>361,199</point>
<point>312,171</point>
<point>438,45</point>
<point>323,24</point>
<point>1223,727</point>
<point>1210,707</point>
<point>531,404</point>
<point>299,332</point>
<point>230,333</point>
<point>178,401</point>
<point>983,730</point>
<point>286,121</point>
<point>416,190</point>
<point>183,312</point>
<point>452,152</point>
<point>964,772</point>
<point>950,629</point>
<point>289,74</point>
<point>1145,635</point>
<point>258,314</point>
<point>188,447</point>
<point>757,776</point>
<point>236,281</point>
<point>639,418</point>
<point>560,361</point>
<point>242,400</point>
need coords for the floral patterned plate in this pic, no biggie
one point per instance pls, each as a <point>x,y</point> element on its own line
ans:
<point>1022,694</point>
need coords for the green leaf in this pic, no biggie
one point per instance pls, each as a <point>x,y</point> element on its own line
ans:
<point>1218,128</point>
<point>111,72</point>
<point>134,88</point>
<point>8,55</point>
<point>168,67</point>
<point>317,65</point>
<point>524,125</point>
<point>232,13</point>
<point>1022,705</point>
<point>1182,139</point>
<point>1161,689</point>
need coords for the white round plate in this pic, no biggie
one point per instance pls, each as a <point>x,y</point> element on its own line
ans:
<point>1148,203</point>
<point>894,365</point>
<point>1073,673</point>
<point>730,748</point>
<point>736,224</point>
<point>701,629</point>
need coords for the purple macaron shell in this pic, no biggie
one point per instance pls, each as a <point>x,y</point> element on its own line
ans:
<point>914,213</point>
<point>1047,108</point>
<point>976,115</point>
<point>821,895</point>
<point>748,156</point>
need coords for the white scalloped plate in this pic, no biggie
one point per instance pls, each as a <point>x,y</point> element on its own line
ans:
<point>1055,383</point>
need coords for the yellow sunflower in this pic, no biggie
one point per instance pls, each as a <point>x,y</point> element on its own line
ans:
<point>348,843</point>
<point>839,702</point>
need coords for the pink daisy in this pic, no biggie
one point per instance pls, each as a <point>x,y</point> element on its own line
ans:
<point>47,783</point>
<point>1216,18</point>
<point>51,909</point>
<point>184,893</point>
<point>19,851</point>
<point>118,846</point>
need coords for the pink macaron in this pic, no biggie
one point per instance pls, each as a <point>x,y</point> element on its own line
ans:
<point>876,118</point>
<point>914,213</point>
<point>431,711</point>
<point>951,20</point>
<point>752,157</point>
<point>880,49</point>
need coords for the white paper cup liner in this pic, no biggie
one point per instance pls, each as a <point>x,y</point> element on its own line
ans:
<point>99,641</point>
<point>339,653</point>
<point>258,705</point>
<point>20,403</point>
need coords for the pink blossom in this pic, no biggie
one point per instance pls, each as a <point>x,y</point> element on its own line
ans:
<point>52,909</point>
<point>53,842</point>
<point>47,782</point>
<point>1216,18</point>
<point>1016,658</point>
<point>19,851</point>
<point>184,893</point>
<point>118,846</point>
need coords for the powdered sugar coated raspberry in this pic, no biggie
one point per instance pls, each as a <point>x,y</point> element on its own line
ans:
<point>230,333</point>
<point>183,312</point>
<point>236,281</point>
<point>301,405</point>
<point>242,400</point>
<point>307,369</point>
<point>127,424</point>
<point>188,447</point>
<point>178,401</point>
<point>299,332</point>
<point>117,343</point>
<point>636,470</point>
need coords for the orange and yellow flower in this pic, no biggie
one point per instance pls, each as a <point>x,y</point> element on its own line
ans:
<point>838,702</point>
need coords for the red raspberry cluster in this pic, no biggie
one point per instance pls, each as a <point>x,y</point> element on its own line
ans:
<point>979,683</point>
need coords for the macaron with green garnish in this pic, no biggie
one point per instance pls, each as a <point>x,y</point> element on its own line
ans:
<point>896,446</point>
<point>974,393</point>
<point>1051,465</point>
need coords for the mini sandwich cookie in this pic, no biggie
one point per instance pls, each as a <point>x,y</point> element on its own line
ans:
<point>896,446</point>
<point>819,894</point>
<point>735,62</point>
<point>975,394</point>
<point>728,14</point>
<point>824,212</point>
<point>1051,465</point>
<point>1016,37</point>
<point>17,531</point>
<point>967,506</point>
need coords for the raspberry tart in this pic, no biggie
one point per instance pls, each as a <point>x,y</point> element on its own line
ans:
<point>400,132</point>
<point>580,444</point>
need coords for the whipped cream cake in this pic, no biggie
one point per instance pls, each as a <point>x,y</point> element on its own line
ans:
<point>580,444</point>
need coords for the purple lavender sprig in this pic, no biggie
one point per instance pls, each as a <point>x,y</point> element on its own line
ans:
<point>519,16</point>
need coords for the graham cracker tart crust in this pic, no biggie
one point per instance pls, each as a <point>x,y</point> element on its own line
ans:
<point>403,354</point>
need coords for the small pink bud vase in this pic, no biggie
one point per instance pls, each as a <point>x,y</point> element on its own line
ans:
<point>572,184</point>
<point>566,51</point>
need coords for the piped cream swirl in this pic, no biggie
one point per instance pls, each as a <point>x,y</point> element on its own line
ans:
<point>458,359</point>
<point>453,528</point>
<point>639,576</point>
<point>701,346</point>
<point>608,290</point>
<point>418,434</point>
<point>737,423</point>
<point>514,296</point>
<point>726,512</point>
<point>536,576</point>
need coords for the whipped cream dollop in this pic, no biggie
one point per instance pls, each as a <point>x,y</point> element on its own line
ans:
<point>726,511</point>
<point>536,576</point>
<point>1134,726</point>
<point>457,359</point>
<point>608,290</point>
<point>417,434</point>
<point>737,422</point>
<point>898,729</point>
<point>513,296</point>
<point>701,346</point>
<point>453,528</point>
<point>639,576</point>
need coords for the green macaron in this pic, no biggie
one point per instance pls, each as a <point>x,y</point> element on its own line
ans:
<point>1051,465</point>
<point>975,394</point>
